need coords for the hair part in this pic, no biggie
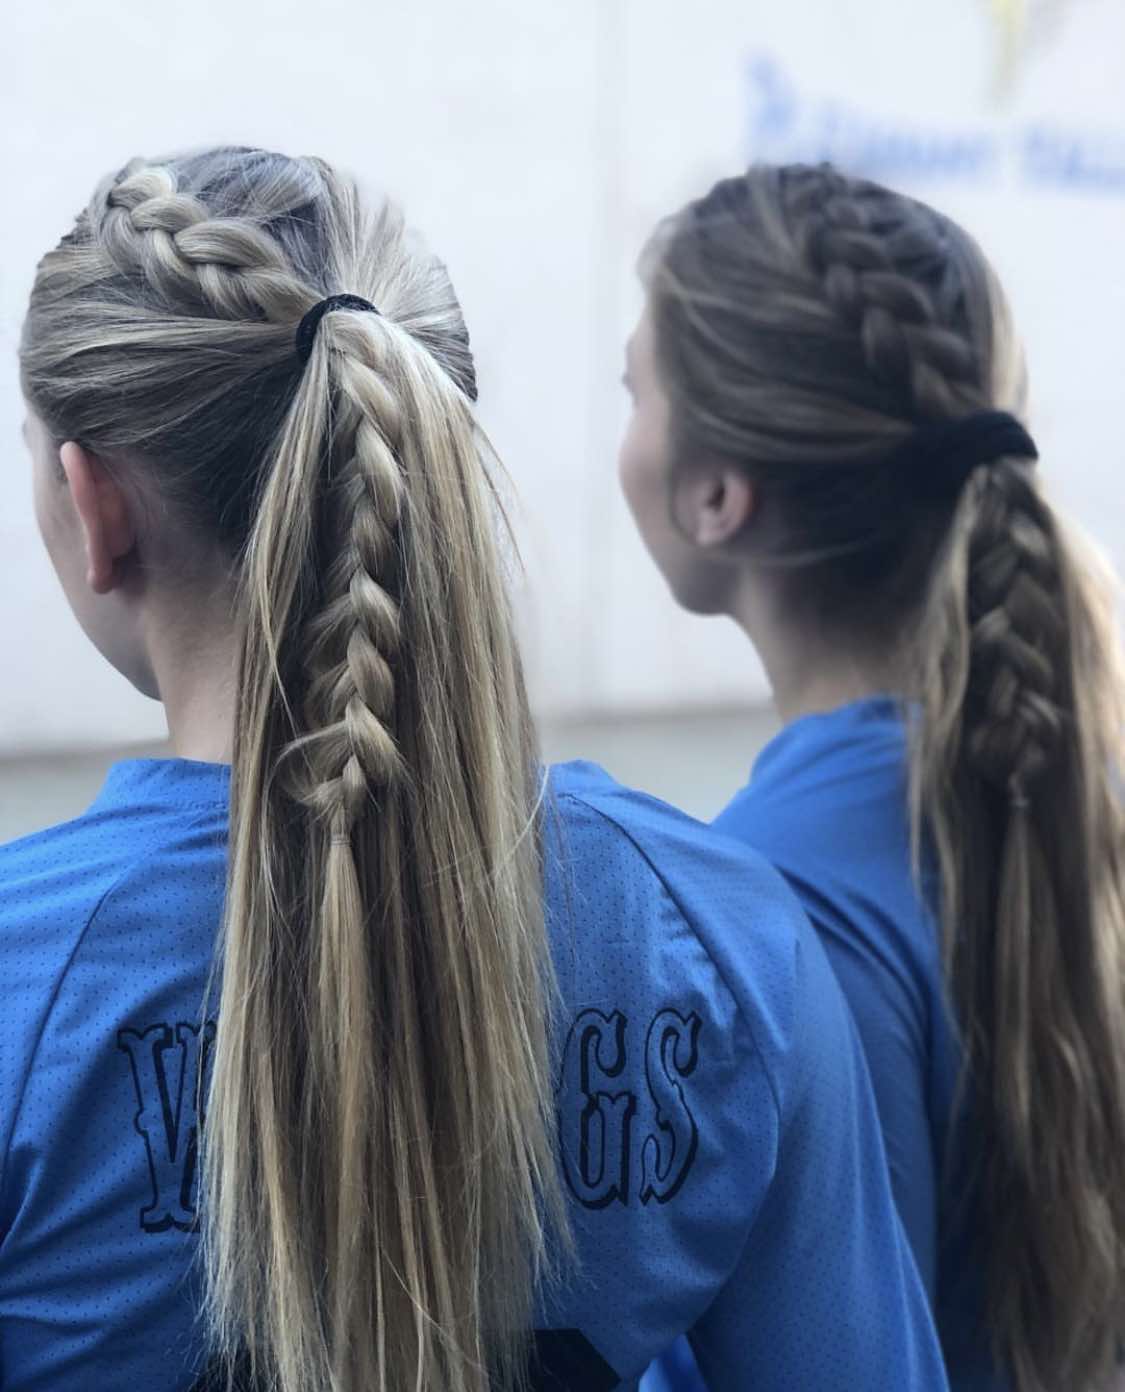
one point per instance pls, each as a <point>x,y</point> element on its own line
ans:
<point>379,1159</point>
<point>806,325</point>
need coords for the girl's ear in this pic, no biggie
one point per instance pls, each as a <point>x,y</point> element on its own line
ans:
<point>715,502</point>
<point>103,513</point>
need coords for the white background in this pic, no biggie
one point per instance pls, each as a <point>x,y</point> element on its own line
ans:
<point>535,142</point>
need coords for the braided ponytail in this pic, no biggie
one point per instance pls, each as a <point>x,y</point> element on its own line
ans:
<point>806,326</point>
<point>1012,766</point>
<point>377,1156</point>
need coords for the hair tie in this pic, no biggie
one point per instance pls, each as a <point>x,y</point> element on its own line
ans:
<point>950,450</point>
<point>306,329</point>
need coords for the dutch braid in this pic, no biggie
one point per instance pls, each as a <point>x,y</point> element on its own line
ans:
<point>861,241</point>
<point>224,266</point>
<point>232,268</point>
<point>866,244</point>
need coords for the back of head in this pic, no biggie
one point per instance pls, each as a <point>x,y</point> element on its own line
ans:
<point>377,1147</point>
<point>807,326</point>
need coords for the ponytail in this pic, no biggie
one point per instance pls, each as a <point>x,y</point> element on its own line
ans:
<point>1013,778</point>
<point>378,1121</point>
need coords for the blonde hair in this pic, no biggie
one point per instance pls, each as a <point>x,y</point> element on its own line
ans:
<point>378,1154</point>
<point>806,324</point>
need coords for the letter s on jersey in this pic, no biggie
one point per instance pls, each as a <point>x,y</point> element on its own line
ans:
<point>671,1054</point>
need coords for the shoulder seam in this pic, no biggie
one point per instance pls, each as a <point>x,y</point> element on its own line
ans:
<point>605,817</point>
<point>109,891</point>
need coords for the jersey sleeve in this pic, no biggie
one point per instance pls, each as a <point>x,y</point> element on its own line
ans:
<point>718,1134</point>
<point>667,1123</point>
<point>45,906</point>
<point>825,1293</point>
<point>98,1279</point>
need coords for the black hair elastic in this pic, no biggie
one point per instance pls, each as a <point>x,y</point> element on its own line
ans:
<point>306,329</point>
<point>949,451</point>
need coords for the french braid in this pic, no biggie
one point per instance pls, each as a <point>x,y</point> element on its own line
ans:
<point>866,245</point>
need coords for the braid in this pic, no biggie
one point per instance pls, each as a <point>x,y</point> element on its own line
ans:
<point>231,267</point>
<point>1013,720</point>
<point>351,642</point>
<point>870,250</point>
<point>224,266</point>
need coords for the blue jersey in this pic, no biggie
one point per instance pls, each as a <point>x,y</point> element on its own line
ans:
<point>827,804</point>
<point>719,1144</point>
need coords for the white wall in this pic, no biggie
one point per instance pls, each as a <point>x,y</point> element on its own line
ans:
<point>535,143</point>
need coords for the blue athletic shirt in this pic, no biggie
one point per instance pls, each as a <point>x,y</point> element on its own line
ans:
<point>827,805</point>
<point>720,1148</point>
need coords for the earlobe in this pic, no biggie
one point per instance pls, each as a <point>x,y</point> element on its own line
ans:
<point>103,514</point>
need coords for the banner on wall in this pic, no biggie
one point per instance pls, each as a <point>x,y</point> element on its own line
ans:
<point>787,122</point>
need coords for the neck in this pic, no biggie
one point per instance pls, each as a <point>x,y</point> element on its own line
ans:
<point>824,691</point>
<point>195,672</point>
<point>808,674</point>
